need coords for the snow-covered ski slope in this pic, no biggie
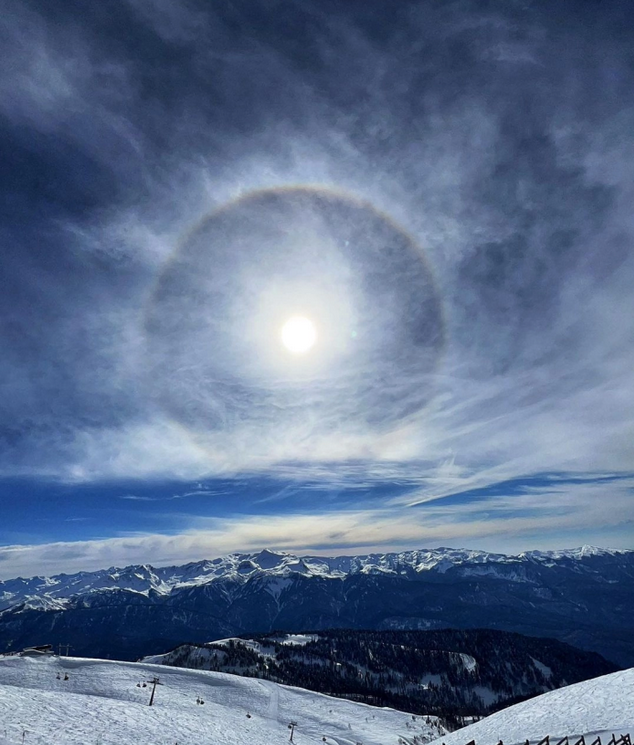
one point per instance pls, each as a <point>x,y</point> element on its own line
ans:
<point>602,705</point>
<point>100,704</point>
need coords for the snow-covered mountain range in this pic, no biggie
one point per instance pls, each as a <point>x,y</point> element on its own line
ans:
<point>582,596</point>
<point>51,592</point>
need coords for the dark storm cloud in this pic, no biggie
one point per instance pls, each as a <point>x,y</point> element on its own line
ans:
<point>497,137</point>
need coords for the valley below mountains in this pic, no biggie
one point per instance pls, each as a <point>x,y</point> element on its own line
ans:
<point>584,597</point>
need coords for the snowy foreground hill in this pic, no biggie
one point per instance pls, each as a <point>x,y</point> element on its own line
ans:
<point>601,706</point>
<point>101,704</point>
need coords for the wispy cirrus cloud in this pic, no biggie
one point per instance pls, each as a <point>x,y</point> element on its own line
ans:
<point>551,511</point>
<point>169,498</point>
<point>508,165</point>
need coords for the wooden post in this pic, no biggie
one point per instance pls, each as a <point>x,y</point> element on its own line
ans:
<point>292,726</point>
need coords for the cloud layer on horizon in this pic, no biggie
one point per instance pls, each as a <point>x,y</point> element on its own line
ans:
<point>554,513</point>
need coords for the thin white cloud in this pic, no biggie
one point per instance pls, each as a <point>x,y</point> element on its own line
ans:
<point>169,497</point>
<point>540,518</point>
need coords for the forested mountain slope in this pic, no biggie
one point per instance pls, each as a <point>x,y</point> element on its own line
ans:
<point>447,672</point>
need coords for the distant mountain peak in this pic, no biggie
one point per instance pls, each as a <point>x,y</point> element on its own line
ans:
<point>268,559</point>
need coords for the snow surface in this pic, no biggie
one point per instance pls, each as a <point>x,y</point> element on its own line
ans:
<point>544,669</point>
<point>603,705</point>
<point>469,663</point>
<point>100,704</point>
<point>296,640</point>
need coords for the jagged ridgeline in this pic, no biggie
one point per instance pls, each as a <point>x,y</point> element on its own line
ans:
<point>584,597</point>
<point>448,673</point>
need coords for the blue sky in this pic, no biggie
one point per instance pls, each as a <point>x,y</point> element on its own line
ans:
<point>442,190</point>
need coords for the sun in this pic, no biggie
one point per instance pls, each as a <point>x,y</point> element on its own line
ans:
<point>299,334</point>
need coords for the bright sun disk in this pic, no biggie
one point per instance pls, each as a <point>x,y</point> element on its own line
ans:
<point>299,334</point>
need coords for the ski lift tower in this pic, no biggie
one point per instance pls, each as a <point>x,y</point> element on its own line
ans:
<point>155,682</point>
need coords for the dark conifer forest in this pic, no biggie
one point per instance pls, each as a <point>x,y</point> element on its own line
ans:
<point>448,673</point>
